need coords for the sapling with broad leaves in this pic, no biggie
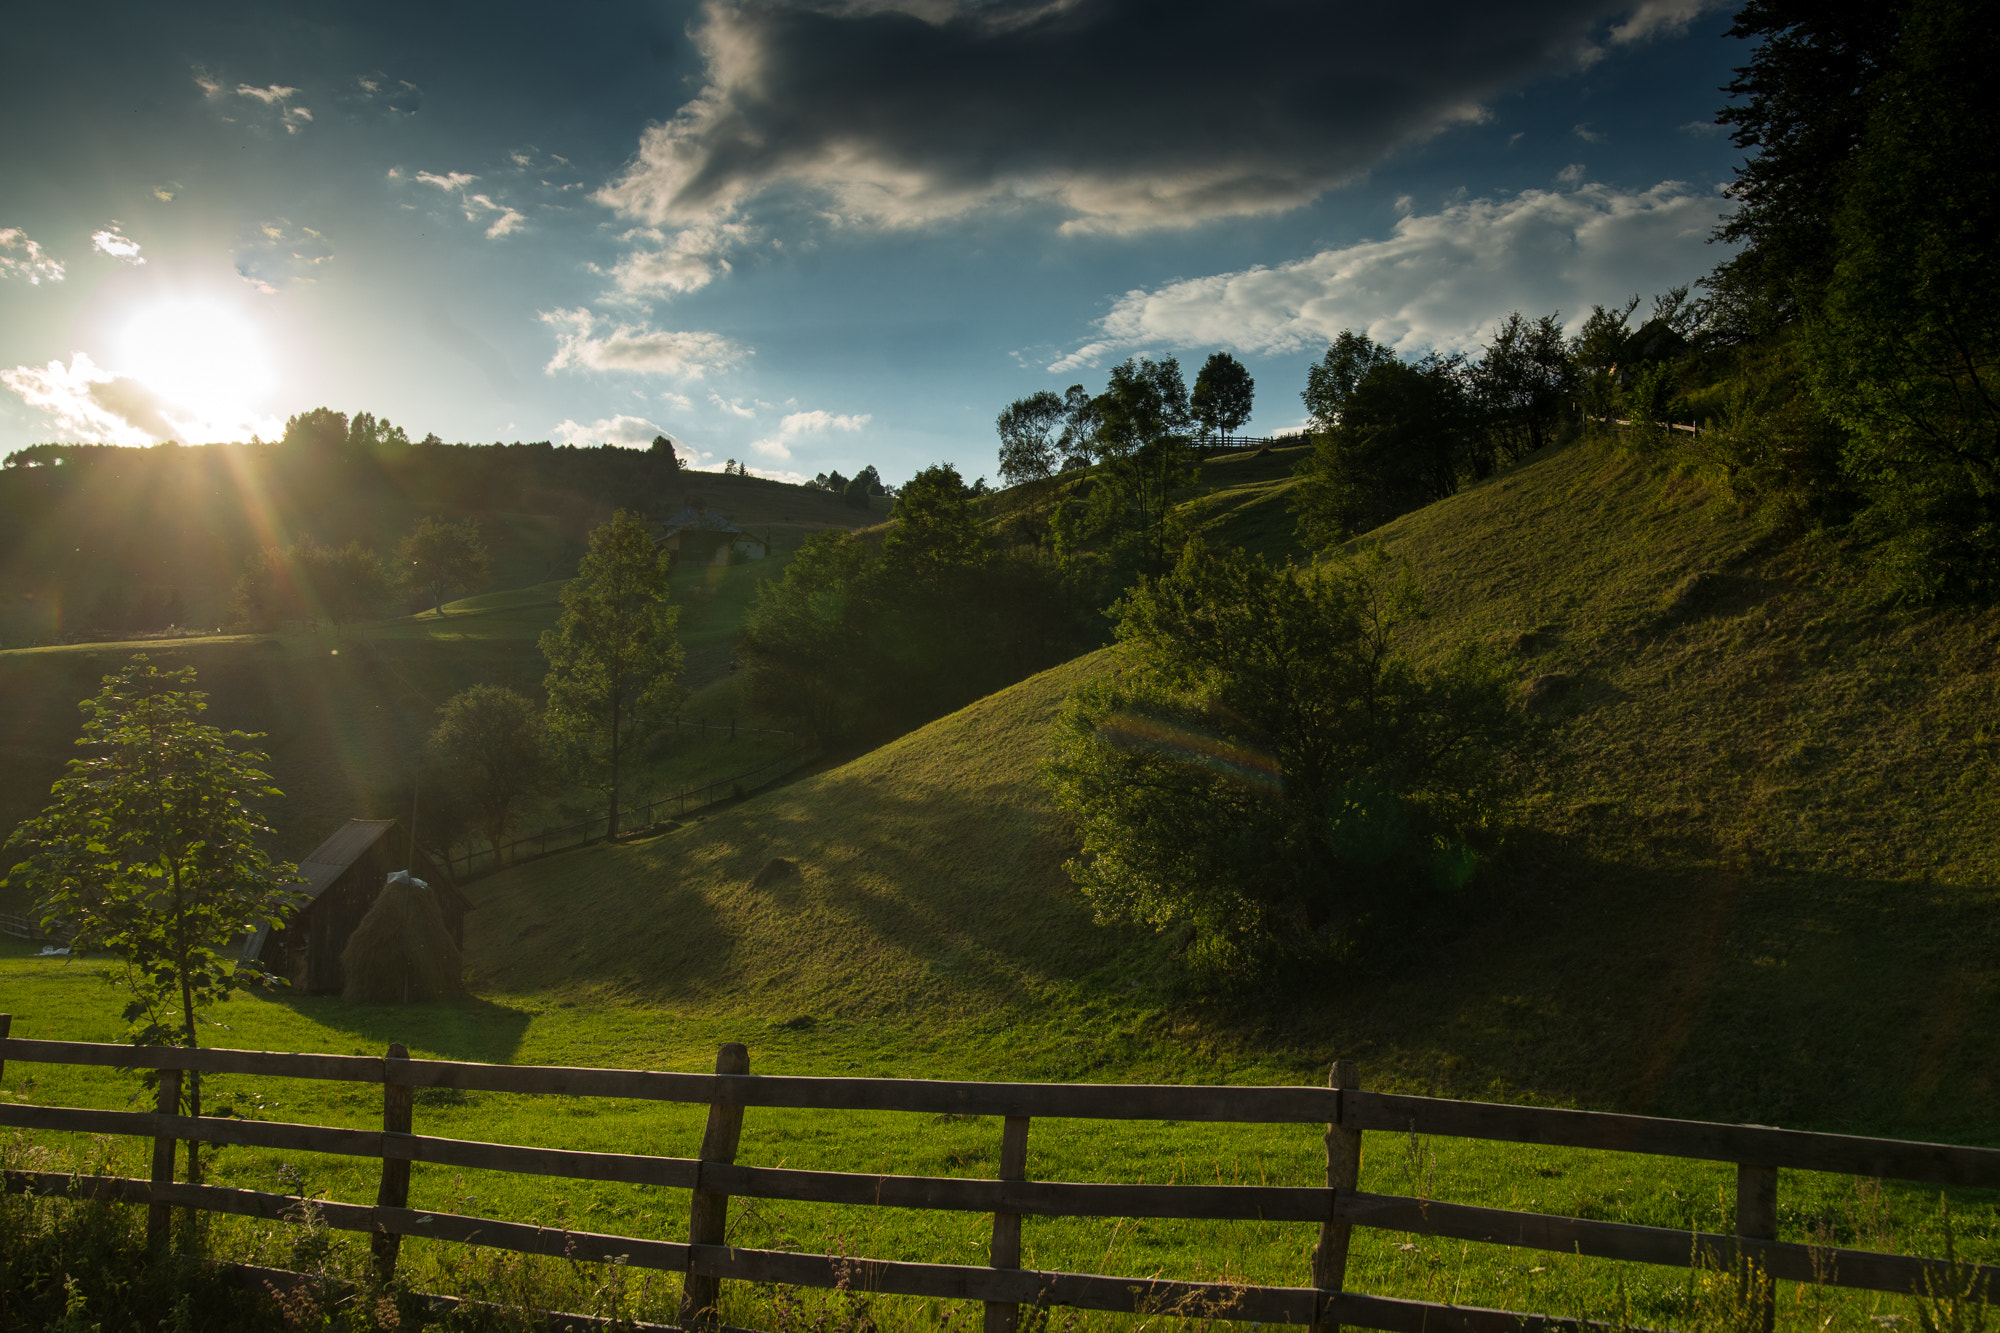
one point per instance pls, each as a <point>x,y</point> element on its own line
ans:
<point>149,850</point>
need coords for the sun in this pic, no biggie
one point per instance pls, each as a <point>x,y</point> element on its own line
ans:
<point>200,356</point>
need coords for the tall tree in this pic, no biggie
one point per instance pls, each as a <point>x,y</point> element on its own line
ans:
<point>319,433</point>
<point>1525,380</point>
<point>1027,428</point>
<point>934,530</point>
<point>1222,396</point>
<point>1143,422</point>
<point>1402,441</point>
<point>1802,105</point>
<point>614,661</point>
<point>1905,349</point>
<point>441,557</point>
<point>1331,380</point>
<point>151,851</point>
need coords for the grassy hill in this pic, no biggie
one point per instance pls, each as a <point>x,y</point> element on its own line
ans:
<point>1754,879</point>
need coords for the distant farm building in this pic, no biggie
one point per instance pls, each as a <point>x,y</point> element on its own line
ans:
<point>344,875</point>
<point>699,536</point>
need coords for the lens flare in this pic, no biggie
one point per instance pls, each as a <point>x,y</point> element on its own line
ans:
<point>1176,741</point>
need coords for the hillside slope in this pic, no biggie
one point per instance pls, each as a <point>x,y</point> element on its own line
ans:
<point>1755,878</point>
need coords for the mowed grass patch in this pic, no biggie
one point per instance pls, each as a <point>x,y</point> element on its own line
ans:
<point>70,1000</point>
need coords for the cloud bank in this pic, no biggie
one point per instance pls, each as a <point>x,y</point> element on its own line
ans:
<point>633,432</point>
<point>1124,115</point>
<point>1440,279</point>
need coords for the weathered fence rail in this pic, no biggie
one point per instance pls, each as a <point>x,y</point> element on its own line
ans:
<point>1345,1110</point>
<point>21,928</point>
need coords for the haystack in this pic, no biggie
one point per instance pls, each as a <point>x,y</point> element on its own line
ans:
<point>402,950</point>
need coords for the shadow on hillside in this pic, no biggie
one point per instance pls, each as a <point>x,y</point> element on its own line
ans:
<point>481,1031</point>
<point>1688,990</point>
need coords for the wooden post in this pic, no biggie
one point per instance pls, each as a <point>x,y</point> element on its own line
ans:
<point>6,1023</point>
<point>1757,1219</point>
<point>708,1214</point>
<point>398,1108</point>
<point>159,1215</point>
<point>1343,1172</point>
<point>1001,1316</point>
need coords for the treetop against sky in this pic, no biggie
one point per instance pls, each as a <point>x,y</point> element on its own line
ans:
<point>809,235</point>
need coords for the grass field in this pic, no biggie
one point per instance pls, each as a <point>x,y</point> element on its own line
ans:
<point>1751,876</point>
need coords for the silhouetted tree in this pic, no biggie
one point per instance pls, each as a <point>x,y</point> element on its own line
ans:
<point>1223,394</point>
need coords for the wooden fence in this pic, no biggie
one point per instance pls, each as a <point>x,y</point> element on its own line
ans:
<point>21,928</point>
<point>1342,1108</point>
<point>691,800</point>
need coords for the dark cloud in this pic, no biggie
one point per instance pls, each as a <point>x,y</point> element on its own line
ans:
<point>135,404</point>
<point>1125,113</point>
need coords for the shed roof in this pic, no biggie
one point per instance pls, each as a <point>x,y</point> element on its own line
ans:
<point>330,860</point>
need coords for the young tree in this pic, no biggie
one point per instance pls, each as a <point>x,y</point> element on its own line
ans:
<point>1222,396</point>
<point>1271,765</point>
<point>1333,378</point>
<point>1027,429</point>
<point>440,557</point>
<point>1525,380</point>
<point>150,851</point>
<point>663,452</point>
<point>1077,445</point>
<point>1402,437</point>
<point>614,662</point>
<point>934,530</point>
<point>492,743</point>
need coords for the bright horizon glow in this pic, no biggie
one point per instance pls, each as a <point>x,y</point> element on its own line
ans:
<point>202,357</point>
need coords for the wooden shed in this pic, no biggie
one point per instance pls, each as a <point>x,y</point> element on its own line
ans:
<point>343,876</point>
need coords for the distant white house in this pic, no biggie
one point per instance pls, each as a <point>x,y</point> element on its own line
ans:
<point>699,535</point>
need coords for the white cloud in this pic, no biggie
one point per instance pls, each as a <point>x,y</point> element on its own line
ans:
<point>399,95</point>
<point>21,258</point>
<point>680,402</point>
<point>114,243</point>
<point>88,403</point>
<point>1572,174</point>
<point>1587,134</point>
<point>796,424</point>
<point>630,431</point>
<point>276,253</point>
<point>168,192</point>
<point>583,342</point>
<point>272,97</point>
<point>1660,18</point>
<point>688,261</point>
<point>733,406</point>
<point>477,207</point>
<point>454,181</point>
<point>1440,280</point>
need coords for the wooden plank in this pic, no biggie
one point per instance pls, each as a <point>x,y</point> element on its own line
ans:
<point>207,1059</point>
<point>1757,1219</point>
<point>1783,1261</point>
<point>624,1168</point>
<point>1800,1150</point>
<point>398,1107</point>
<point>1268,1203</point>
<point>158,1218</point>
<point>708,1211</point>
<point>1343,1172</point>
<point>1089,1101</point>
<point>1005,1251</point>
<point>63,1185</point>
<point>1279,1305</point>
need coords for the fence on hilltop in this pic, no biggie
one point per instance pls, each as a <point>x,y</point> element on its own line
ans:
<point>1342,1107</point>
<point>689,800</point>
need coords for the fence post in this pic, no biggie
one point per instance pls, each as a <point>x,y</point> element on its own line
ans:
<point>1343,1172</point>
<point>1001,1316</point>
<point>708,1214</point>
<point>159,1215</point>
<point>6,1024</point>
<point>398,1110</point>
<point>1757,1219</point>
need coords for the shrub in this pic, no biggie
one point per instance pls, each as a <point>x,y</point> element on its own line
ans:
<point>1271,764</point>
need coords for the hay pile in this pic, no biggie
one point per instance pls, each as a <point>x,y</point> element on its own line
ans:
<point>402,950</point>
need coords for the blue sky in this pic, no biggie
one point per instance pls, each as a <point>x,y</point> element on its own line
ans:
<point>809,235</point>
